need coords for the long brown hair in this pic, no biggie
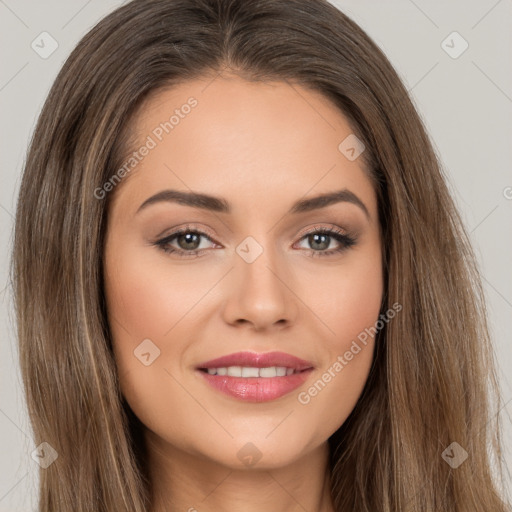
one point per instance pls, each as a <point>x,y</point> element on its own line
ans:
<point>433,380</point>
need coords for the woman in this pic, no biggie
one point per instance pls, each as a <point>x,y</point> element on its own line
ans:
<point>185,343</point>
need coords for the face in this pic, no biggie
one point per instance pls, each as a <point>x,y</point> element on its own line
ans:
<point>259,269</point>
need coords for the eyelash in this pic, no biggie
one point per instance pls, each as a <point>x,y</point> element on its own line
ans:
<point>345,241</point>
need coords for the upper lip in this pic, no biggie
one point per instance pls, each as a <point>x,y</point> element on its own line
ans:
<point>255,360</point>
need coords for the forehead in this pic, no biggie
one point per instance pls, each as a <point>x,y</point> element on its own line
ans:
<point>257,143</point>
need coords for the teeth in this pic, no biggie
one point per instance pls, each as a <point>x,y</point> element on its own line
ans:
<point>234,371</point>
<point>248,371</point>
<point>268,372</point>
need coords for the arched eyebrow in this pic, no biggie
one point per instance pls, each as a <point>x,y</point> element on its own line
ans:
<point>221,205</point>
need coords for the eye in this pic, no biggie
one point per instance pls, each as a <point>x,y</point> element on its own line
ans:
<point>320,239</point>
<point>186,242</point>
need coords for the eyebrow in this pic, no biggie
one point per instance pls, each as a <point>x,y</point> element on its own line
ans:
<point>220,205</point>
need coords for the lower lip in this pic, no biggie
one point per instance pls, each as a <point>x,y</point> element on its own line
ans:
<point>256,389</point>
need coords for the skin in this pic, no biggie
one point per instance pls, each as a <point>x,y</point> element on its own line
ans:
<point>261,146</point>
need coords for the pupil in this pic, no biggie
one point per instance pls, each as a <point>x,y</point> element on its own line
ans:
<point>189,239</point>
<point>316,236</point>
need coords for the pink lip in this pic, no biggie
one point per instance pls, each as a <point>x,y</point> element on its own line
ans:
<point>257,389</point>
<point>258,361</point>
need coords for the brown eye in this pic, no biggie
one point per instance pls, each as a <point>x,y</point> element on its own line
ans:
<point>184,242</point>
<point>188,241</point>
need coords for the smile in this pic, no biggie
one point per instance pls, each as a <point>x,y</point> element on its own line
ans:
<point>248,371</point>
<point>253,377</point>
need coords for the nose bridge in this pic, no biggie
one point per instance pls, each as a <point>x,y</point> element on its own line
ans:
<point>258,292</point>
<point>257,265</point>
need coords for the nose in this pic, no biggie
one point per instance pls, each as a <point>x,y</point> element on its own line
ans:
<point>260,294</point>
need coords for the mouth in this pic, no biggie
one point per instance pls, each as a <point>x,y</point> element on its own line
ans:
<point>253,377</point>
<point>252,372</point>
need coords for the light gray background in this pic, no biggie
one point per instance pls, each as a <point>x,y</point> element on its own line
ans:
<point>466,104</point>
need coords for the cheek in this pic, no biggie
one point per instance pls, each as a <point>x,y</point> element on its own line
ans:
<point>150,298</point>
<point>350,307</point>
<point>146,297</point>
<point>147,307</point>
<point>347,298</point>
<point>356,305</point>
